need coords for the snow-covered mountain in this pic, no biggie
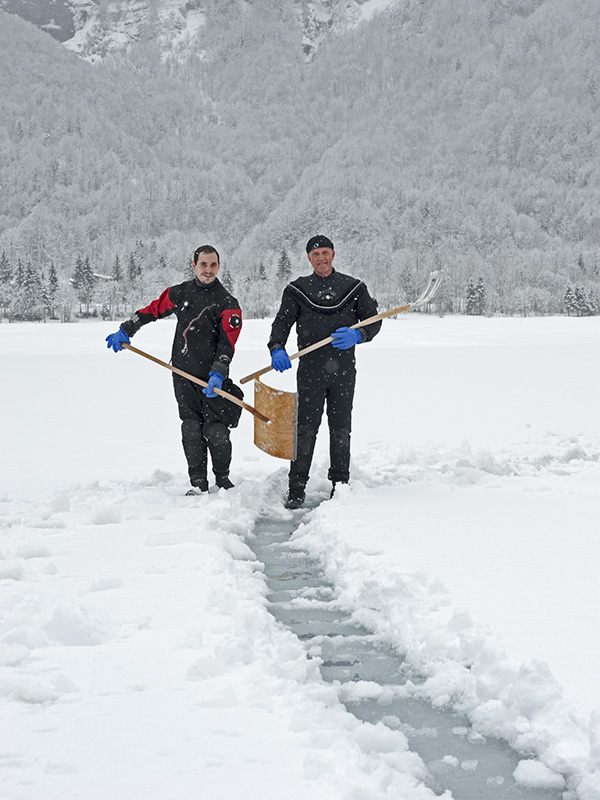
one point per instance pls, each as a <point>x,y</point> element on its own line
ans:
<point>94,29</point>
<point>437,132</point>
<point>57,17</point>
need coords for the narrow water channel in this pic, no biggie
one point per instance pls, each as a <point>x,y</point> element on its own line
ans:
<point>457,757</point>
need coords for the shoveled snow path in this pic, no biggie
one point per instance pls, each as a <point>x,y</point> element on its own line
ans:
<point>139,656</point>
<point>139,659</point>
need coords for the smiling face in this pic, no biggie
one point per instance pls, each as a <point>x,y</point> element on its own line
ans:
<point>206,267</point>
<point>321,259</point>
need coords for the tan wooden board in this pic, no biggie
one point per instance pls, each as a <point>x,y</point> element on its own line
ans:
<point>277,438</point>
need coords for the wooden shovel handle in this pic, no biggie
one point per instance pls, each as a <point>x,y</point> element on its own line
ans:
<point>199,381</point>
<point>362,324</point>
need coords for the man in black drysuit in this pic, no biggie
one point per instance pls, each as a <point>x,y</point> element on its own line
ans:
<point>209,321</point>
<point>318,304</point>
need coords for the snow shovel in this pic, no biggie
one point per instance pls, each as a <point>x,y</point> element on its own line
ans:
<point>425,297</point>
<point>265,421</point>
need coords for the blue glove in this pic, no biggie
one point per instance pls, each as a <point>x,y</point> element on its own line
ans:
<point>115,340</point>
<point>343,338</point>
<point>280,360</point>
<point>215,380</point>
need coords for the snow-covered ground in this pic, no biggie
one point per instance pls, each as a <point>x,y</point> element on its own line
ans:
<point>137,658</point>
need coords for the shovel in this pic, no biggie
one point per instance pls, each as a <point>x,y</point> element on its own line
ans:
<point>425,297</point>
<point>279,440</point>
<point>264,420</point>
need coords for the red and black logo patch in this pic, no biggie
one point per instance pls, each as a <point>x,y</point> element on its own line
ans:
<point>231,319</point>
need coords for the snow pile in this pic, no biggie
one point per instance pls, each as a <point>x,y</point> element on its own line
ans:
<point>463,665</point>
<point>165,595</point>
<point>159,613</point>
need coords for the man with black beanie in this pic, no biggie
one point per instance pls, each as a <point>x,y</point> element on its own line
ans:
<point>322,304</point>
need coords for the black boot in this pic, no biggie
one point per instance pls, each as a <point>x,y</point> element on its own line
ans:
<point>295,497</point>
<point>339,454</point>
<point>222,480</point>
<point>198,487</point>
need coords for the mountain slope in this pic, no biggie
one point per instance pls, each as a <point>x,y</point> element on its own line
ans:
<point>93,30</point>
<point>434,133</point>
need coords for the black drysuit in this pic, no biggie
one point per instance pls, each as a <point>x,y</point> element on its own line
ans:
<point>317,306</point>
<point>209,321</point>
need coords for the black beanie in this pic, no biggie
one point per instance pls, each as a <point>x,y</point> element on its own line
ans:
<point>318,241</point>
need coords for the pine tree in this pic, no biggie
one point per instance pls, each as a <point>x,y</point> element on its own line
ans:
<point>84,282</point>
<point>5,269</point>
<point>471,299</point>
<point>52,288</point>
<point>134,269</point>
<point>52,280</point>
<point>90,283</point>
<point>6,289</point>
<point>475,301</point>
<point>31,295</point>
<point>134,283</point>
<point>569,301</point>
<point>19,274</point>
<point>284,267</point>
<point>481,296</point>
<point>117,291</point>
<point>45,298</point>
<point>78,276</point>
<point>581,304</point>
<point>117,272</point>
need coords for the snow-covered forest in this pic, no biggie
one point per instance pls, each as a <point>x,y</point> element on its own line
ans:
<point>435,133</point>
